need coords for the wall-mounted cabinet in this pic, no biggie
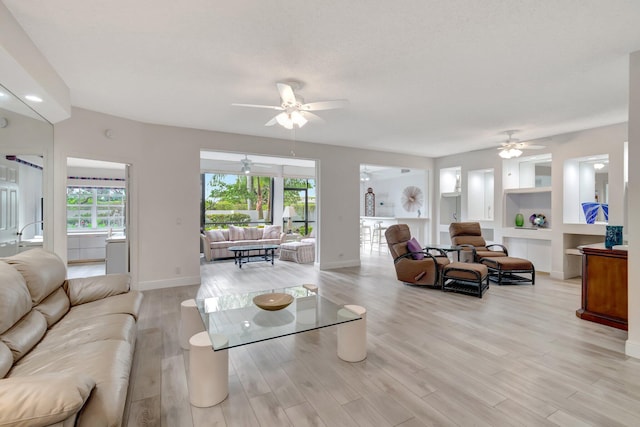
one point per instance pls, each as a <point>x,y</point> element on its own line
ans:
<point>480,200</point>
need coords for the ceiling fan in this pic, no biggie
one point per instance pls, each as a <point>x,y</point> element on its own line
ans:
<point>513,147</point>
<point>294,110</point>
<point>247,163</point>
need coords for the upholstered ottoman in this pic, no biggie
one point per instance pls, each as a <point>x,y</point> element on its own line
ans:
<point>503,270</point>
<point>466,278</point>
<point>300,252</point>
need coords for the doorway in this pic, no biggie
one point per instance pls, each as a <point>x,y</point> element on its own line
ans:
<point>97,217</point>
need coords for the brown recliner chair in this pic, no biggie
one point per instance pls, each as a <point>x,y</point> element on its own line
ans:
<point>424,272</point>
<point>468,235</point>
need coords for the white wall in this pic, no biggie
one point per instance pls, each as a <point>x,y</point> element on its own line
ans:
<point>564,150</point>
<point>165,189</point>
<point>632,347</point>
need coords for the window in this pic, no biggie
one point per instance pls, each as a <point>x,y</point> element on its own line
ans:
<point>236,199</point>
<point>300,194</point>
<point>95,208</point>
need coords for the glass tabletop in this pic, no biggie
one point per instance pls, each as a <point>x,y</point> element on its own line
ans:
<point>242,322</point>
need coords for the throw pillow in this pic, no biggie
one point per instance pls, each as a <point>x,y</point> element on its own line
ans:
<point>236,233</point>
<point>215,236</point>
<point>253,233</point>
<point>415,248</point>
<point>272,232</point>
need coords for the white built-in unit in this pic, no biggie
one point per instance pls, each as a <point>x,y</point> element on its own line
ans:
<point>480,200</point>
<point>86,246</point>
<point>530,242</point>
<point>450,200</point>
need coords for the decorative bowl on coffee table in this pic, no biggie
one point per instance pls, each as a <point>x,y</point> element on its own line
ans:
<point>273,301</point>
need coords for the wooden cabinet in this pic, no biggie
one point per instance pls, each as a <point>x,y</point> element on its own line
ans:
<point>604,286</point>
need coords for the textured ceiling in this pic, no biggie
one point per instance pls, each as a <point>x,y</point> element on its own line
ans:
<point>424,77</point>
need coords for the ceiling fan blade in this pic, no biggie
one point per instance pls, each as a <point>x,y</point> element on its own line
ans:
<point>325,105</point>
<point>272,122</point>
<point>270,107</point>
<point>286,93</point>
<point>312,117</point>
<point>534,147</point>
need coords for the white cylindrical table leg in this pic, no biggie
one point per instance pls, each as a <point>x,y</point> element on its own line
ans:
<point>190,322</point>
<point>352,336</point>
<point>208,370</point>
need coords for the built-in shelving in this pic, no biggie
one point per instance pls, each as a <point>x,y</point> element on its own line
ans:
<point>480,200</point>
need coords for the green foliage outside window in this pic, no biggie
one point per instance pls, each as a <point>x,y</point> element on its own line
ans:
<point>239,192</point>
<point>224,220</point>
<point>90,208</point>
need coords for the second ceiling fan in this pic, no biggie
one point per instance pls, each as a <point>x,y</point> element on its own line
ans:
<point>294,111</point>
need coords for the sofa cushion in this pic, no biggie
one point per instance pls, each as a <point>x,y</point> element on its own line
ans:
<point>108,362</point>
<point>253,233</point>
<point>272,232</point>
<point>236,233</point>
<point>42,400</point>
<point>70,333</point>
<point>87,289</point>
<point>43,271</point>
<point>128,303</point>
<point>15,300</point>
<point>6,359</point>
<point>215,236</point>
<point>25,334</point>
<point>54,306</point>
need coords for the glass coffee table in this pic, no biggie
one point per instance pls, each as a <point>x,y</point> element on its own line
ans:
<point>252,253</point>
<point>242,322</point>
<point>234,320</point>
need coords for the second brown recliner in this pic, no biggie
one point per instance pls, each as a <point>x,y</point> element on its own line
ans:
<point>468,235</point>
<point>425,271</point>
<point>503,269</point>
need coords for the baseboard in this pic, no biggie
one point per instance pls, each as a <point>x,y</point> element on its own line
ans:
<point>558,275</point>
<point>339,264</point>
<point>168,283</point>
<point>632,349</point>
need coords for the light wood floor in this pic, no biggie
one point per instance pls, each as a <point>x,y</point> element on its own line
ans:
<point>519,356</point>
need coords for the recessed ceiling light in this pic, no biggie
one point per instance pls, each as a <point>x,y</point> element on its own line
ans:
<point>2,94</point>
<point>33,98</point>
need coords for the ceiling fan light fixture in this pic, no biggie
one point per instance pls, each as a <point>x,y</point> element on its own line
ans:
<point>284,120</point>
<point>298,119</point>
<point>504,154</point>
<point>508,153</point>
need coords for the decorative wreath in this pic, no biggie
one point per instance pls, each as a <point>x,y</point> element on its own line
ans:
<point>411,198</point>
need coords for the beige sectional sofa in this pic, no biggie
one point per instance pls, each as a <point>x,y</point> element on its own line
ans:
<point>215,243</point>
<point>66,346</point>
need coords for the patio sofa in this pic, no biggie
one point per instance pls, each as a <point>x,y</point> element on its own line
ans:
<point>215,243</point>
<point>66,346</point>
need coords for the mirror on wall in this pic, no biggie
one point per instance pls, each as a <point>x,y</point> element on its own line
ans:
<point>25,141</point>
